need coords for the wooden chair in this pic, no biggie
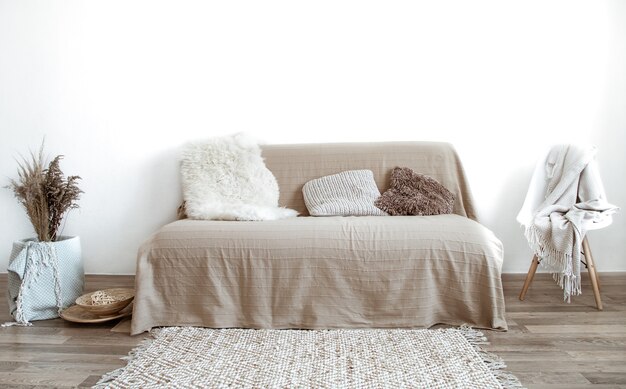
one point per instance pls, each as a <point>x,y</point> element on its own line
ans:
<point>589,264</point>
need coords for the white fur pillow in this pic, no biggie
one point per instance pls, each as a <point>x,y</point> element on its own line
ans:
<point>349,193</point>
<point>225,178</point>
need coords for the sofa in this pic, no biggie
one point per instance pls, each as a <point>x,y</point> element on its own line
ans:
<point>328,272</point>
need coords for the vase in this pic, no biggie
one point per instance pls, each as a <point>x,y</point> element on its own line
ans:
<point>44,278</point>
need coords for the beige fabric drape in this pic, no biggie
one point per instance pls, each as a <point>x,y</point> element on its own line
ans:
<point>327,272</point>
<point>294,165</point>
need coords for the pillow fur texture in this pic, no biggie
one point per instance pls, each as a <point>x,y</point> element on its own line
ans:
<point>225,178</point>
<point>412,193</point>
<point>349,193</point>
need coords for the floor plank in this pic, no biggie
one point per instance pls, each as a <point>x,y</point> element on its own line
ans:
<point>550,344</point>
<point>56,353</point>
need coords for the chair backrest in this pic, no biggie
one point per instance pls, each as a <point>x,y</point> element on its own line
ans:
<point>295,164</point>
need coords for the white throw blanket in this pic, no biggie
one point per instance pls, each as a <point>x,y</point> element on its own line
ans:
<point>565,199</point>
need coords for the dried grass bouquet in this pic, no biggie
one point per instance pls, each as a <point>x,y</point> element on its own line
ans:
<point>46,194</point>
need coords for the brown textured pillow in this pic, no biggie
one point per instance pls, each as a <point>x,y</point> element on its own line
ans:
<point>412,193</point>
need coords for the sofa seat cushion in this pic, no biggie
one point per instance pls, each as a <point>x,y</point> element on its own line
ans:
<point>333,272</point>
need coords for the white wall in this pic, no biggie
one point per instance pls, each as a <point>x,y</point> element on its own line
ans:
<point>118,86</point>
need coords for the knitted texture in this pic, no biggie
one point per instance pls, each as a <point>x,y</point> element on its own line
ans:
<point>349,193</point>
<point>44,278</point>
<point>412,193</point>
<point>565,198</point>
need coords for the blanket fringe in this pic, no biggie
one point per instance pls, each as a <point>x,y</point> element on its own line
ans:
<point>39,254</point>
<point>496,364</point>
<point>557,262</point>
<point>16,324</point>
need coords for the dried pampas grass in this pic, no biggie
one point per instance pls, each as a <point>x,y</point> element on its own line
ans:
<point>46,194</point>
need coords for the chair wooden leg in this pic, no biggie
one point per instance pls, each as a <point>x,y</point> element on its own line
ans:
<point>529,277</point>
<point>593,274</point>
<point>587,250</point>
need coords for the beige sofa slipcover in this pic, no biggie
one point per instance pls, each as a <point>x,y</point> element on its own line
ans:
<point>328,272</point>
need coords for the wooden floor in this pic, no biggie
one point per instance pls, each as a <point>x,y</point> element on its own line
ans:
<point>549,344</point>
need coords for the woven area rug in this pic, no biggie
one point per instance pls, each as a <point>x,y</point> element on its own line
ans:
<point>188,357</point>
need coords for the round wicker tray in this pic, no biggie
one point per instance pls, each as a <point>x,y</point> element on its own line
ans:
<point>77,314</point>
<point>123,297</point>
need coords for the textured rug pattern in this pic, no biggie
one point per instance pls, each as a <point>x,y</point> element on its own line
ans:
<point>198,357</point>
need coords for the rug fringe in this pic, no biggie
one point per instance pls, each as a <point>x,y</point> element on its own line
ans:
<point>109,377</point>
<point>496,364</point>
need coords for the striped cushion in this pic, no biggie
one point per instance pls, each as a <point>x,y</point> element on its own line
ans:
<point>349,193</point>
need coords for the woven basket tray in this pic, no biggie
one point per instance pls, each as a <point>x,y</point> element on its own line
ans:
<point>122,297</point>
